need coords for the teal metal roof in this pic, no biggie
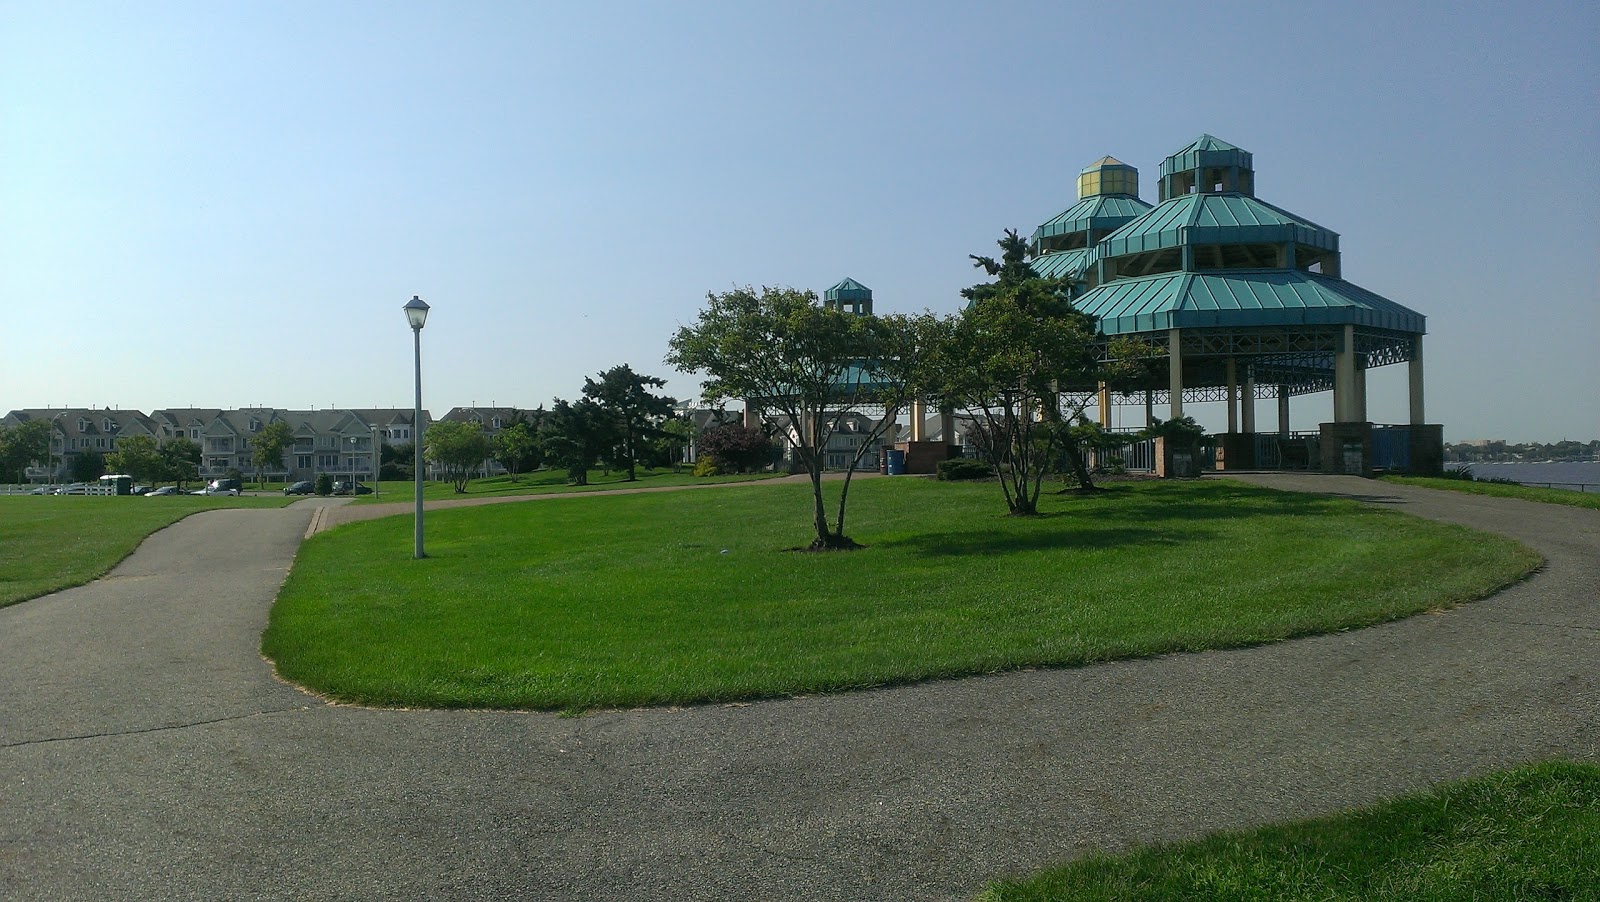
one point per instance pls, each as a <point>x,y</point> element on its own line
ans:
<point>1241,298</point>
<point>1102,211</point>
<point>848,290</point>
<point>1214,219</point>
<point>1063,264</point>
<point>1206,151</point>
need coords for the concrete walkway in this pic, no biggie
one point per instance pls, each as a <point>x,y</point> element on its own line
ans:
<point>147,753</point>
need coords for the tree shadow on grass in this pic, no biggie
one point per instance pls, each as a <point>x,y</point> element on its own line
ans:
<point>949,544</point>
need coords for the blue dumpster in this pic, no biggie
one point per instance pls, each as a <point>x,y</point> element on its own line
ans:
<point>894,462</point>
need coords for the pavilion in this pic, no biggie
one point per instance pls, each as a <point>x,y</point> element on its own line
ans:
<point>1244,301</point>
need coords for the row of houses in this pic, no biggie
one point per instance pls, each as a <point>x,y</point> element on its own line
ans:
<point>346,441</point>
<point>337,441</point>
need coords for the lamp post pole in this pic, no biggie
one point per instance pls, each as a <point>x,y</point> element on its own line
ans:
<point>417,314</point>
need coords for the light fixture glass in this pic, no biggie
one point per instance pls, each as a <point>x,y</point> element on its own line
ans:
<point>416,312</point>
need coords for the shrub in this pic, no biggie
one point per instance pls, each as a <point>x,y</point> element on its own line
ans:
<point>324,484</point>
<point>957,468</point>
<point>707,466</point>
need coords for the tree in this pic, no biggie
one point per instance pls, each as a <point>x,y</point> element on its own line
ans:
<point>814,365</point>
<point>626,397</point>
<point>457,447</point>
<point>737,447</point>
<point>676,434</point>
<point>86,466</point>
<point>268,445</point>
<point>1002,359</point>
<point>22,446</point>
<point>138,456</point>
<point>575,436</point>
<point>397,462</point>
<point>516,447</point>
<point>181,458</point>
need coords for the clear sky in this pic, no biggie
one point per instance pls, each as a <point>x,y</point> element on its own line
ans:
<point>226,204</point>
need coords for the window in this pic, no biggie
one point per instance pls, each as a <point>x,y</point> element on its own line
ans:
<point>497,422</point>
<point>106,425</point>
<point>83,425</point>
<point>302,462</point>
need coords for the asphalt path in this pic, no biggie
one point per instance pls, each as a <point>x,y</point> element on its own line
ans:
<point>147,751</point>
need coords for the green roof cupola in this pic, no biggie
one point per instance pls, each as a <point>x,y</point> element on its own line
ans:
<point>850,296</point>
<point>1207,166</point>
<point>1108,198</point>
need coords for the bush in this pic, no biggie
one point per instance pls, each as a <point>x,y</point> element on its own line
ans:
<point>957,468</point>
<point>234,474</point>
<point>324,484</point>
<point>707,466</point>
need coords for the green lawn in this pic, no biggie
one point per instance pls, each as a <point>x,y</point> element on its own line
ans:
<point>1530,833</point>
<point>691,596</point>
<point>48,543</point>
<point>544,482</point>
<point>1568,497</point>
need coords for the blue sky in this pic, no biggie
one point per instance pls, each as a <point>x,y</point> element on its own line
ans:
<point>221,204</point>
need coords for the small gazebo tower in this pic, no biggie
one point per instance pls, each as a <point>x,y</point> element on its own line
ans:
<point>849,296</point>
<point>1108,199</point>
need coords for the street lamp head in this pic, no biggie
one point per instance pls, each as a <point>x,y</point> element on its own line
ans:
<point>416,312</point>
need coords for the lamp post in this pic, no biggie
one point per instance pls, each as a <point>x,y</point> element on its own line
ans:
<point>417,314</point>
<point>353,442</point>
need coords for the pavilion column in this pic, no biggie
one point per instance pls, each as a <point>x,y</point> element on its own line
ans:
<point>947,425</point>
<point>1344,377</point>
<point>1415,369</point>
<point>890,415</point>
<point>1283,410</point>
<point>1175,378</point>
<point>1103,400</point>
<point>1361,392</point>
<point>919,419</point>
<point>1233,394</point>
<point>1149,407</point>
<point>1247,401</point>
<point>752,414</point>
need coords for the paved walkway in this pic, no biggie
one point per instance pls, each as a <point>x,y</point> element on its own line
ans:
<point>147,753</point>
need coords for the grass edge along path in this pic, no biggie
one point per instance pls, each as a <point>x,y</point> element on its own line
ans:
<point>689,597</point>
<point>1531,832</point>
<point>51,543</point>
<point>1567,497</point>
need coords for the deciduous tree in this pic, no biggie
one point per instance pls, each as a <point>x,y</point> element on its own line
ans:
<point>815,365</point>
<point>138,456</point>
<point>22,446</point>
<point>456,447</point>
<point>1002,360</point>
<point>268,445</point>
<point>181,458</point>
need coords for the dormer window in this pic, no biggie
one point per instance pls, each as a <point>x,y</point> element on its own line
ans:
<point>497,422</point>
<point>83,425</point>
<point>255,425</point>
<point>106,425</point>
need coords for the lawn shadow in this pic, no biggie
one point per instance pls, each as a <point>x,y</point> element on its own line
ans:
<point>948,544</point>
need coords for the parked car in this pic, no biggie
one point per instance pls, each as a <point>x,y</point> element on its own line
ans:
<point>343,488</point>
<point>300,488</point>
<point>44,490</point>
<point>163,492</point>
<point>140,489</point>
<point>220,487</point>
<point>77,488</point>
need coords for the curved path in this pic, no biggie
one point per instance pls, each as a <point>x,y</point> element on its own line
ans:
<point>146,752</point>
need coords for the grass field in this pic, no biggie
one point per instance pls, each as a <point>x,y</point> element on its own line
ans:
<point>1529,833</point>
<point>544,482</point>
<point>1567,497</point>
<point>692,597</point>
<point>55,542</point>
